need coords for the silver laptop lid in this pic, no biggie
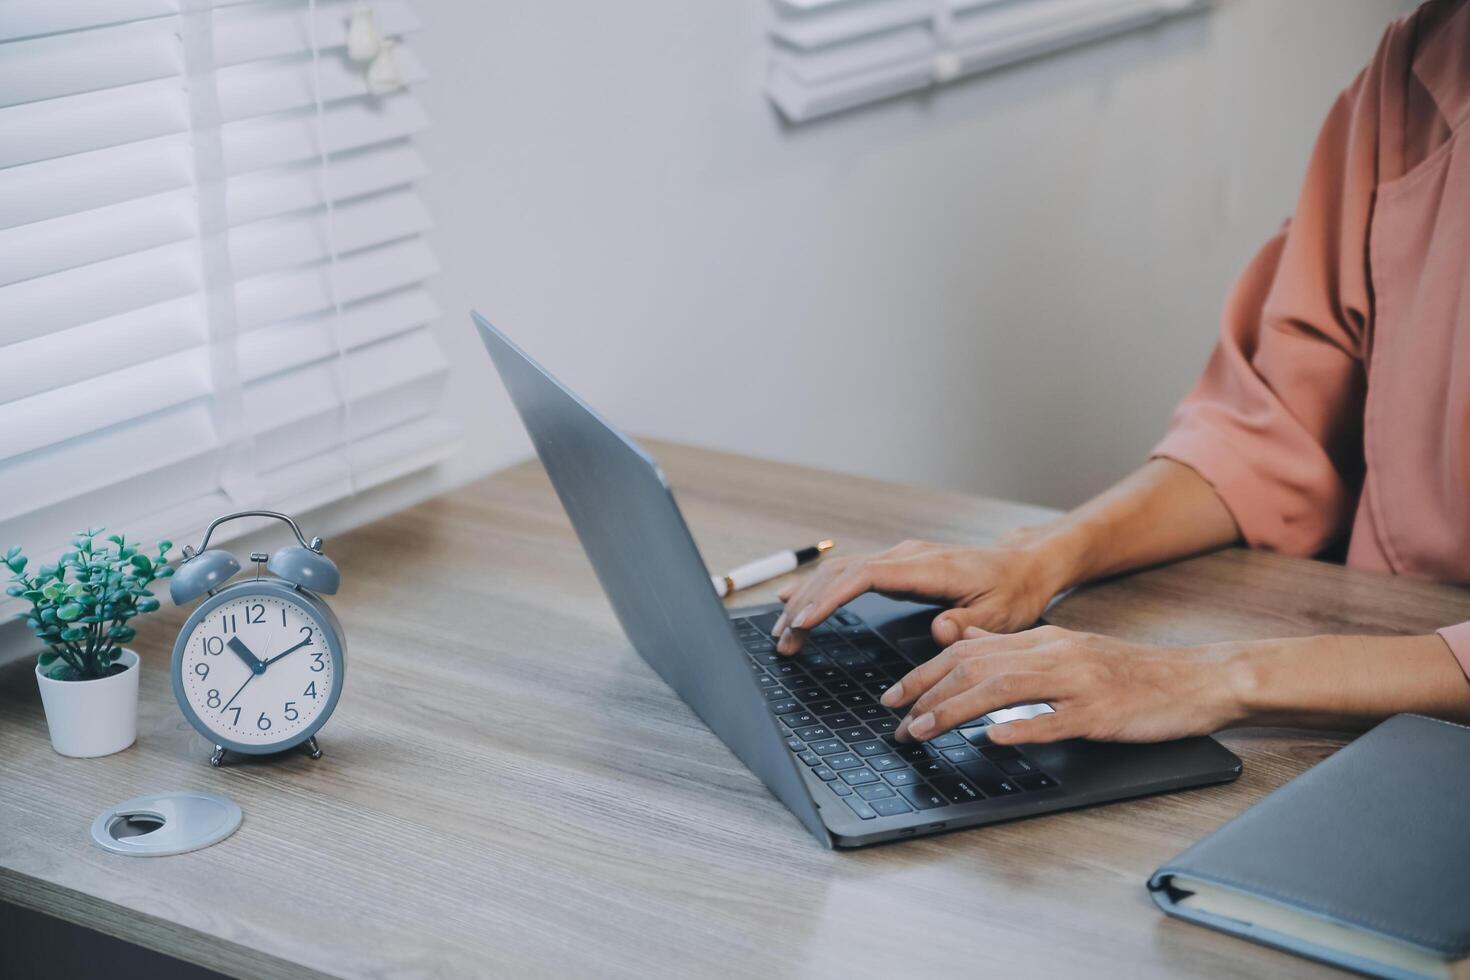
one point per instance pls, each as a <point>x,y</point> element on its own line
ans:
<point>624,513</point>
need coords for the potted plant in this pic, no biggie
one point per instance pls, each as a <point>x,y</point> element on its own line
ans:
<point>80,607</point>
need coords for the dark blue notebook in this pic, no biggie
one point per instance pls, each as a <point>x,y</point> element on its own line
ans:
<point>1362,861</point>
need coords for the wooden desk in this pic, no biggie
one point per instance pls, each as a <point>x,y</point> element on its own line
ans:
<point>508,790</point>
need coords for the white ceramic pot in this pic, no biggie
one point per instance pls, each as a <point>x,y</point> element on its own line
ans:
<point>92,718</point>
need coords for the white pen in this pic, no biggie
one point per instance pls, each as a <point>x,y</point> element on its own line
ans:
<point>767,568</point>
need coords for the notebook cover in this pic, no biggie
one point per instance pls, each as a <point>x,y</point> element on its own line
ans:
<point>1376,837</point>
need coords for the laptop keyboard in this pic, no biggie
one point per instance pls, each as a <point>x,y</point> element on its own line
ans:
<point>826,700</point>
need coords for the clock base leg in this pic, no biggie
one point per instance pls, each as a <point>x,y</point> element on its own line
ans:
<point>312,749</point>
<point>218,758</point>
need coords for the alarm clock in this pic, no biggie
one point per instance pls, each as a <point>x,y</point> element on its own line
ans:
<point>257,668</point>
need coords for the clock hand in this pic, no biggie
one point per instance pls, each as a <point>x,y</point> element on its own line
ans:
<point>237,693</point>
<point>243,652</point>
<point>292,650</point>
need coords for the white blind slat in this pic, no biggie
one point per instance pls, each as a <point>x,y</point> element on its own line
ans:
<point>75,240</point>
<point>251,144</point>
<point>92,121</point>
<point>301,291</point>
<point>102,289</point>
<point>831,55</point>
<point>31,19</point>
<point>281,243</point>
<point>69,470</point>
<point>55,416</point>
<point>290,343</point>
<point>259,31</point>
<point>53,360</point>
<point>266,193</point>
<point>255,89</point>
<point>68,64</point>
<point>83,181</point>
<point>157,380</point>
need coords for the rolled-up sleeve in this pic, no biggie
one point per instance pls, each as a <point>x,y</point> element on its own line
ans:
<point>1458,638</point>
<point>1275,422</point>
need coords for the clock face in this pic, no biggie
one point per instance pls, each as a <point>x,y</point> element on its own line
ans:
<point>256,670</point>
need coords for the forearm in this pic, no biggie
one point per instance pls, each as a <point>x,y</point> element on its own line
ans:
<point>1342,682</point>
<point>1162,512</point>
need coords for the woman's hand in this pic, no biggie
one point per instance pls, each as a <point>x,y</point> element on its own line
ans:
<point>1098,687</point>
<point>997,588</point>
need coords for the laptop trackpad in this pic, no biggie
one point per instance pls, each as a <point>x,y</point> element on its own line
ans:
<point>917,649</point>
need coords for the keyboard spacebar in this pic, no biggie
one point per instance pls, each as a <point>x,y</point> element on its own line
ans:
<point>1018,713</point>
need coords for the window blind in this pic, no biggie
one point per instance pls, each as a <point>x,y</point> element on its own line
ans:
<point>831,55</point>
<point>211,265</point>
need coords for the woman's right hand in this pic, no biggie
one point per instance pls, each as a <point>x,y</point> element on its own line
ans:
<point>1000,588</point>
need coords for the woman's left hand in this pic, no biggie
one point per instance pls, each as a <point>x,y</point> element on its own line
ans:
<point>1098,687</point>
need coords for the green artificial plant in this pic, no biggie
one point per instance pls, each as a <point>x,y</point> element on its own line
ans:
<point>81,605</point>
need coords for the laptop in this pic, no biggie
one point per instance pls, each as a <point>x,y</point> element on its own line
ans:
<point>810,726</point>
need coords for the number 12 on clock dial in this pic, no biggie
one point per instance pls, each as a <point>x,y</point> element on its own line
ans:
<point>257,671</point>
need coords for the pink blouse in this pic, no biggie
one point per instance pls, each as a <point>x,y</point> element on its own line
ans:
<point>1337,401</point>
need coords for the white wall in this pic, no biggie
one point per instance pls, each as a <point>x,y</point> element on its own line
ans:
<point>1001,287</point>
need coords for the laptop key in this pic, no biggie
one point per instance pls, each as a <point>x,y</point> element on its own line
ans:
<point>876,688</point>
<point>840,720</point>
<point>761,621</point>
<point>959,790</point>
<point>814,733</point>
<point>777,693</point>
<point>884,726</point>
<point>829,746</point>
<point>874,791</point>
<point>810,758</point>
<point>902,777</point>
<point>813,661</point>
<point>891,807</point>
<point>785,707</point>
<point>874,747</point>
<point>861,809</point>
<point>827,707</point>
<point>962,754</point>
<point>914,753</point>
<point>883,763</point>
<point>845,760</point>
<point>1015,767</point>
<point>975,736</point>
<point>840,788</point>
<point>1036,780</point>
<point>995,753</point>
<point>932,767</point>
<point>947,740</point>
<point>799,719</point>
<point>825,774</point>
<point>871,713</point>
<point>841,686</point>
<point>767,681</point>
<point>924,797</point>
<point>846,618</point>
<point>856,777</point>
<point>855,734</point>
<point>991,780</point>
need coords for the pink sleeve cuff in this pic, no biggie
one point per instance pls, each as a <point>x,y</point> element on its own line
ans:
<point>1271,512</point>
<point>1458,638</point>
